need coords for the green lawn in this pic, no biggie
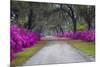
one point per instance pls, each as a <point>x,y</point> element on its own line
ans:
<point>21,57</point>
<point>86,47</point>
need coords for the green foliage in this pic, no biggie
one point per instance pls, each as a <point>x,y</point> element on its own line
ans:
<point>48,14</point>
<point>81,26</point>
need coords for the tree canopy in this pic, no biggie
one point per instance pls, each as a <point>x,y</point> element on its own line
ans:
<point>56,17</point>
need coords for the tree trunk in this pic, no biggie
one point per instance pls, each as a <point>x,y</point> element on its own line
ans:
<point>30,16</point>
<point>56,29</point>
<point>88,20</point>
<point>30,19</point>
<point>74,25</point>
<point>72,16</point>
<point>61,29</point>
<point>89,25</point>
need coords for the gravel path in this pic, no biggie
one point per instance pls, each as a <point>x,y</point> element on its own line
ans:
<point>57,52</point>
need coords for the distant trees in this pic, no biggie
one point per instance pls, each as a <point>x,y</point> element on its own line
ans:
<point>71,13</point>
<point>88,14</point>
<point>84,11</point>
<point>38,16</point>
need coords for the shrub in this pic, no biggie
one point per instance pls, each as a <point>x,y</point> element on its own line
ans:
<point>82,35</point>
<point>21,38</point>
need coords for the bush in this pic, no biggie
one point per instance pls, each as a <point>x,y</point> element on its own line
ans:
<point>82,35</point>
<point>21,38</point>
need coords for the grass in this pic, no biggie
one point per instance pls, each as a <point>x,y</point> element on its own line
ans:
<point>86,47</point>
<point>81,26</point>
<point>21,57</point>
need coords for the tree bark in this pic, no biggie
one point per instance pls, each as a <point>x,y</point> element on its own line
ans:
<point>30,16</point>
<point>89,25</point>
<point>88,20</point>
<point>56,29</point>
<point>72,16</point>
<point>61,29</point>
<point>30,19</point>
<point>74,25</point>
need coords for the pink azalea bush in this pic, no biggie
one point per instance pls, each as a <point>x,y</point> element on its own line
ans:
<point>21,38</point>
<point>82,35</point>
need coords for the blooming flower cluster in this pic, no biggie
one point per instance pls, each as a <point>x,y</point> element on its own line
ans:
<point>21,38</point>
<point>82,35</point>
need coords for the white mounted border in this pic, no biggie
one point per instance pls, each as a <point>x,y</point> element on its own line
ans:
<point>82,2</point>
<point>5,32</point>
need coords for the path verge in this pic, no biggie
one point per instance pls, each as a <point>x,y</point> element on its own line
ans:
<point>21,57</point>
